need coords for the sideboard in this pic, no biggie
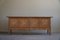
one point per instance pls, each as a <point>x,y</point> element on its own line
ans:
<point>29,23</point>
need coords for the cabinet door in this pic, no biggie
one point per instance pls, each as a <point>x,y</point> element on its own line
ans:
<point>23,22</point>
<point>34,22</point>
<point>44,22</point>
<point>13,22</point>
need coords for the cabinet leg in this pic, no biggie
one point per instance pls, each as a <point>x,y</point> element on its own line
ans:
<point>10,31</point>
<point>48,31</point>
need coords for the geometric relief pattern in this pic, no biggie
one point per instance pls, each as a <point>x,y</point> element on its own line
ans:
<point>13,22</point>
<point>34,22</point>
<point>44,22</point>
<point>23,22</point>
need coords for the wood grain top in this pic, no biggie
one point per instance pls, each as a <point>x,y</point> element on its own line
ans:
<point>31,16</point>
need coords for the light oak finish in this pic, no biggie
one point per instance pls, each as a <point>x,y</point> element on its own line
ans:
<point>29,23</point>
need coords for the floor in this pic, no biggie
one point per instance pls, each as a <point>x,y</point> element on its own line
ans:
<point>53,36</point>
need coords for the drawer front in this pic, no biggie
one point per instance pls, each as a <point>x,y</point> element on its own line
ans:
<point>44,22</point>
<point>22,28</point>
<point>34,22</point>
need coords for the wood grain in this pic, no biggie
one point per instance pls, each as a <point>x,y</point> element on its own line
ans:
<point>29,23</point>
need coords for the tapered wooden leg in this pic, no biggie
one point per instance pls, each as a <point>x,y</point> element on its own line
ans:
<point>10,31</point>
<point>48,31</point>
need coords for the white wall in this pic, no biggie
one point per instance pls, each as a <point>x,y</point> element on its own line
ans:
<point>30,8</point>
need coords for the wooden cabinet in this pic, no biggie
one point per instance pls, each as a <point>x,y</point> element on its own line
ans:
<point>29,23</point>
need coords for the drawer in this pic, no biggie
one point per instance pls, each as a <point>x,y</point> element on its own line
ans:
<point>23,28</point>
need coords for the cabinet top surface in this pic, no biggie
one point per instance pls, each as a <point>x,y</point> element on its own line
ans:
<point>29,16</point>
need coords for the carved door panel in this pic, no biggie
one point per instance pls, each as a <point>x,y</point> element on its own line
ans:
<point>44,22</point>
<point>23,22</point>
<point>34,23</point>
<point>13,22</point>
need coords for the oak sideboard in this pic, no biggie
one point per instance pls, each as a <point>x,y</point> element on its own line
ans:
<point>29,23</point>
